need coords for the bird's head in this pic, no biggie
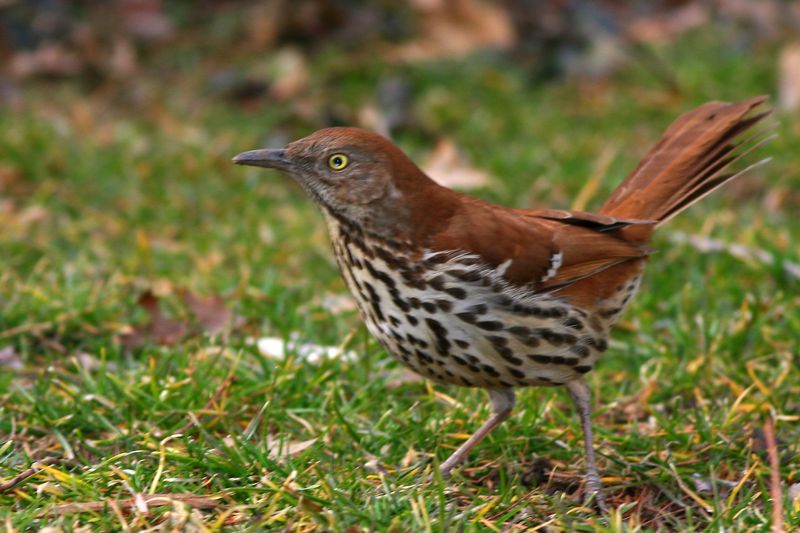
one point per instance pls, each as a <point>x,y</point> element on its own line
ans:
<point>351,173</point>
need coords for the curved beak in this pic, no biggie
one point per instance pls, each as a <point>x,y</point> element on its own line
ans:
<point>264,158</point>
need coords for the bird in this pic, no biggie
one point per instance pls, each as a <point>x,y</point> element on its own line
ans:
<point>470,293</point>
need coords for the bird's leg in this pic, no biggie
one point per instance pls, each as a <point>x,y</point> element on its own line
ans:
<point>582,397</point>
<point>502,403</point>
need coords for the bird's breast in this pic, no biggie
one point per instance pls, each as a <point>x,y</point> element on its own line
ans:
<point>451,318</point>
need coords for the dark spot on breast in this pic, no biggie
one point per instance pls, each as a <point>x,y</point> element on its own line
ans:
<point>583,369</point>
<point>402,349</point>
<point>442,343</point>
<point>608,313</point>
<point>414,302</point>
<point>399,302</point>
<point>374,300</point>
<point>390,259</point>
<point>456,292</point>
<point>479,309</point>
<point>491,371</point>
<point>460,361</point>
<point>519,331</point>
<point>423,357</point>
<point>429,307</point>
<point>469,318</point>
<point>569,339</point>
<point>469,276</point>
<point>519,374</point>
<point>552,337</point>
<point>461,343</point>
<point>444,305</point>
<point>437,282</point>
<point>490,325</point>
<point>412,319</point>
<point>503,301</point>
<point>508,355</point>
<point>580,350</point>
<point>538,358</point>
<point>574,323</point>
<point>532,341</point>
<point>394,320</point>
<point>497,340</point>
<point>415,340</point>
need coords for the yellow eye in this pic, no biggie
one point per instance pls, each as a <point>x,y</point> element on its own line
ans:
<point>338,161</point>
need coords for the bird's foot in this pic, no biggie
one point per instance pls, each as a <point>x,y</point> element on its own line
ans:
<point>593,493</point>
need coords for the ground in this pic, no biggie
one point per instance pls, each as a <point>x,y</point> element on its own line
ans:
<point>109,198</point>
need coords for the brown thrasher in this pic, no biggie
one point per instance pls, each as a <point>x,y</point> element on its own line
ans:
<point>470,293</point>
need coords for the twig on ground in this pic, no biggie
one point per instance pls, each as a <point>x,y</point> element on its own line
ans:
<point>34,468</point>
<point>774,476</point>
<point>148,500</point>
<point>214,399</point>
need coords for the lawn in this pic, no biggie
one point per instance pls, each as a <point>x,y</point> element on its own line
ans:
<point>116,202</point>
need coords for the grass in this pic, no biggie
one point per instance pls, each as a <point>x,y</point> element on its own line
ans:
<point>106,197</point>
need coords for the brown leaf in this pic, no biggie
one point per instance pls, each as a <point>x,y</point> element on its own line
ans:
<point>210,312</point>
<point>456,28</point>
<point>159,329</point>
<point>665,26</point>
<point>446,166</point>
<point>789,78</point>
<point>50,60</point>
<point>291,74</point>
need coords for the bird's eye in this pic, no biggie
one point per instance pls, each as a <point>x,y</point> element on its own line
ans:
<point>338,161</point>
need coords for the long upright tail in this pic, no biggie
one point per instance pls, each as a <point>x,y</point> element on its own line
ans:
<point>690,161</point>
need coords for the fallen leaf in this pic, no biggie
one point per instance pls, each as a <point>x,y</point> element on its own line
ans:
<point>794,494</point>
<point>159,329</point>
<point>338,303</point>
<point>282,449</point>
<point>410,458</point>
<point>290,74</point>
<point>145,19</point>
<point>664,25</point>
<point>398,377</point>
<point>49,60</point>
<point>789,78</point>
<point>10,359</point>
<point>706,486</point>
<point>210,312</point>
<point>447,167</point>
<point>456,28</point>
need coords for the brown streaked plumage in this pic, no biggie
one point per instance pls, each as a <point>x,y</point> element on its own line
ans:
<point>470,293</point>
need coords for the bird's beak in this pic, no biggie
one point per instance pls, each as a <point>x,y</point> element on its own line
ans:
<point>264,158</point>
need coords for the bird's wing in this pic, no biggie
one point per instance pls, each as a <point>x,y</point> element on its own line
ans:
<point>544,249</point>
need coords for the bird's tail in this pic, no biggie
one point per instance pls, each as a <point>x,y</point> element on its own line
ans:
<point>690,161</point>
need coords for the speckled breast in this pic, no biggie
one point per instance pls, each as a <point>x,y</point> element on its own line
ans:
<point>451,318</point>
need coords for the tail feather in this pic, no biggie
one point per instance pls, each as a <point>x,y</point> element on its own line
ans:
<point>689,161</point>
